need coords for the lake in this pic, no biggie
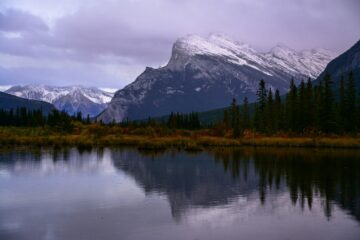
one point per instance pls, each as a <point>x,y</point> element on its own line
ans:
<point>240,193</point>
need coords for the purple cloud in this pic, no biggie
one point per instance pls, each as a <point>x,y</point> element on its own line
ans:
<point>140,33</point>
<point>14,20</point>
<point>53,76</point>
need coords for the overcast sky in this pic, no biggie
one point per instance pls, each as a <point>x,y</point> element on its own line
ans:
<point>108,43</point>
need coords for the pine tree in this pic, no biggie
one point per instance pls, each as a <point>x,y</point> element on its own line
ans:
<point>87,119</point>
<point>260,107</point>
<point>172,120</point>
<point>245,114</point>
<point>79,116</point>
<point>235,119</point>
<point>301,106</point>
<point>342,103</point>
<point>226,119</point>
<point>318,105</point>
<point>292,107</point>
<point>327,110</point>
<point>194,122</point>
<point>309,106</point>
<point>278,112</point>
<point>269,113</point>
<point>350,121</point>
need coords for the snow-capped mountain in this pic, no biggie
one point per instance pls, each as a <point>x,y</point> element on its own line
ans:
<point>72,99</point>
<point>206,73</point>
<point>280,58</point>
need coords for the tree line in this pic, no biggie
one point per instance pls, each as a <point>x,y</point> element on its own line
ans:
<point>305,109</point>
<point>23,117</point>
<point>184,121</point>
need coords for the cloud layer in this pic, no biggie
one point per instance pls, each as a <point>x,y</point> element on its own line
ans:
<point>108,43</point>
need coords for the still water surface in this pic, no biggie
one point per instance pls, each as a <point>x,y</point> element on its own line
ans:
<point>243,193</point>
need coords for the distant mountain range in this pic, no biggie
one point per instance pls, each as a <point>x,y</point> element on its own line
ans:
<point>205,74</point>
<point>8,102</point>
<point>71,99</point>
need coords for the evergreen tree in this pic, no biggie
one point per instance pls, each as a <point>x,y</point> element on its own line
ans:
<point>269,118</point>
<point>260,107</point>
<point>327,110</point>
<point>87,119</point>
<point>278,112</point>
<point>245,114</point>
<point>22,117</point>
<point>172,121</point>
<point>194,122</point>
<point>226,119</point>
<point>309,106</point>
<point>301,107</point>
<point>317,105</point>
<point>235,119</point>
<point>292,107</point>
<point>342,103</point>
<point>350,113</point>
<point>79,116</point>
<point>182,121</point>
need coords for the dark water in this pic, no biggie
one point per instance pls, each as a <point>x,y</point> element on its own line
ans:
<point>220,194</point>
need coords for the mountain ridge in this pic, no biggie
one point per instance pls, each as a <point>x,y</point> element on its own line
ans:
<point>8,102</point>
<point>72,99</point>
<point>206,73</point>
<point>341,66</point>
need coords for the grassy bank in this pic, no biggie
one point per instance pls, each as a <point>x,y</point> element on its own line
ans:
<point>91,136</point>
<point>88,137</point>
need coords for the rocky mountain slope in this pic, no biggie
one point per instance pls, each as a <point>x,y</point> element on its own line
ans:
<point>204,74</point>
<point>343,64</point>
<point>8,102</point>
<point>72,99</point>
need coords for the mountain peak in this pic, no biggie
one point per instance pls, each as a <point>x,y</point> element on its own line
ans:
<point>282,50</point>
<point>215,44</point>
<point>207,72</point>
<point>193,44</point>
<point>224,40</point>
<point>88,100</point>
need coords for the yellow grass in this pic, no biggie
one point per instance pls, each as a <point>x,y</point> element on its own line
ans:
<point>152,139</point>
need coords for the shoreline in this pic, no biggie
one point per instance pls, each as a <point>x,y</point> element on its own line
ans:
<point>180,142</point>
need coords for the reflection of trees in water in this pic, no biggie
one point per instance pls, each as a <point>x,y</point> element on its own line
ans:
<point>37,153</point>
<point>191,180</point>
<point>41,161</point>
<point>8,155</point>
<point>219,176</point>
<point>333,175</point>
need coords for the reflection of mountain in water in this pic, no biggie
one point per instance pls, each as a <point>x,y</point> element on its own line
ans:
<point>218,177</point>
<point>186,179</point>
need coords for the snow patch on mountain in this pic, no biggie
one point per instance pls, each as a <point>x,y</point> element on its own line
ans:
<point>308,62</point>
<point>217,45</point>
<point>206,73</point>
<point>3,88</point>
<point>88,100</point>
<point>280,58</point>
<point>52,93</point>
